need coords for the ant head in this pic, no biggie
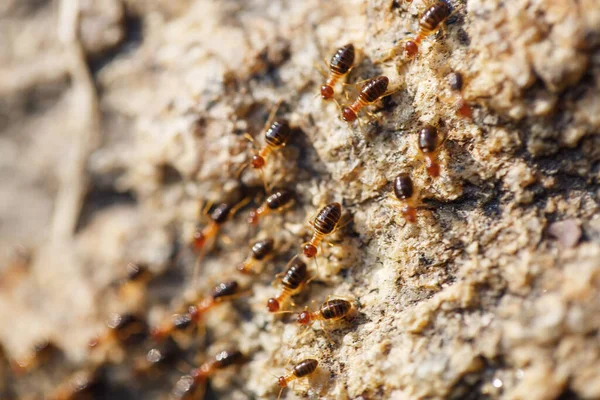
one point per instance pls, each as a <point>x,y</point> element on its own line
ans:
<point>253,217</point>
<point>326,92</point>
<point>348,114</point>
<point>304,318</point>
<point>282,382</point>
<point>273,305</point>
<point>257,161</point>
<point>310,250</point>
<point>411,49</point>
<point>433,169</point>
<point>198,240</point>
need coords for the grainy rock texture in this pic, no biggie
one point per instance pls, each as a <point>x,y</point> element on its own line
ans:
<point>119,122</point>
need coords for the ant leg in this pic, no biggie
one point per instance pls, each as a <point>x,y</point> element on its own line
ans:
<point>265,184</point>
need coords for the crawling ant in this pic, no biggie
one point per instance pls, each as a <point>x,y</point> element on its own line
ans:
<point>430,146</point>
<point>278,201</point>
<point>455,80</point>
<point>404,191</point>
<point>429,23</point>
<point>303,369</point>
<point>221,293</point>
<point>325,223</point>
<point>219,216</point>
<point>188,386</point>
<point>372,90</point>
<point>276,137</point>
<point>292,282</point>
<point>125,329</point>
<point>330,310</point>
<point>260,251</point>
<point>340,65</point>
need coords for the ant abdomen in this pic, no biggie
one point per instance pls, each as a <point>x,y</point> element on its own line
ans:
<point>278,134</point>
<point>404,191</point>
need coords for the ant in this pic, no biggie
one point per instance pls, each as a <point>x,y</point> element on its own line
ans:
<point>330,310</point>
<point>293,281</point>
<point>126,329</point>
<point>455,80</point>
<point>221,293</point>
<point>276,137</point>
<point>429,23</point>
<point>278,201</point>
<point>373,90</point>
<point>303,369</point>
<point>430,147</point>
<point>219,216</point>
<point>340,65</point>
<point>188,385</point>
<point>260,251</point>
<point>325,223</point>
<point>404,191</point>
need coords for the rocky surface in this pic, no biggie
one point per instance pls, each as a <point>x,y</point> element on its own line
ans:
<point>493,293</point>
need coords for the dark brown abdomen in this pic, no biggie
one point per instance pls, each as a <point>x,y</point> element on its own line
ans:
<point>374,89</point>
<point>336,308</point>
<point>278,134</point>
<point>295,274</point>
<point>328,218</point>
<point>262,249</point>
<point>279,199</point>
<point>342,60</point>
<point>305,368</point>
<point>434,16</point>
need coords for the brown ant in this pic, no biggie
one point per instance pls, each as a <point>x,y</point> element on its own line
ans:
<point>303,369</point>
<point>292,281</point>
<point>404,191</point>
<point>188,385</point>
<point>340,65</point>
<point>222,292</point>
<point>260,251</point>
<point>278,201</point>
<point>430,147</point>
<point>276,137</point>
<point>325,223</point>
<point>219,216</point>
<point>455,80</point>
<point>125,329</point>
<point>429,23</point>
<point>330,310</point>
<point>373,90</point>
